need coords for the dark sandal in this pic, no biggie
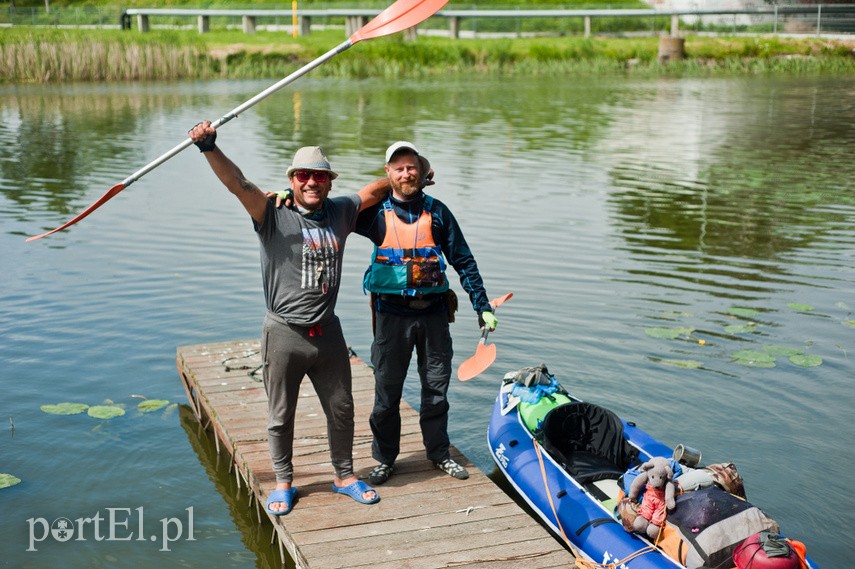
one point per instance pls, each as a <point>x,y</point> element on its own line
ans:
<point>452,469</point>
<point>380,474</point>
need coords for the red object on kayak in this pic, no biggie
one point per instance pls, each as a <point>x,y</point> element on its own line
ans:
<point>750,554</point>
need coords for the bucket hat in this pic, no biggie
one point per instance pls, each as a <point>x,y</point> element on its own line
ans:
<point>311,158</point>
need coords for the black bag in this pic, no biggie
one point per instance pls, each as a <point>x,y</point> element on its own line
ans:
<point>713,523</point>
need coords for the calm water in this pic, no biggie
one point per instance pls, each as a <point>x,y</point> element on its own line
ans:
<point>617,211</point>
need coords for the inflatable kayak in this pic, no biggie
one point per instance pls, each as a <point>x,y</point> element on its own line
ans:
<point>573,462</point>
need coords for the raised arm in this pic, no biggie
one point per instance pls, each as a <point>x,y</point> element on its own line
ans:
<point>252,198</point>
<point>373,193</point>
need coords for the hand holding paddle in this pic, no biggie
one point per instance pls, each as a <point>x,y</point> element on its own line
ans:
<point>398,17</point>
<point>484,355</point>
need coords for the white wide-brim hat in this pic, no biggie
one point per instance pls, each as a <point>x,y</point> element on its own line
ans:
<point>311,158</point>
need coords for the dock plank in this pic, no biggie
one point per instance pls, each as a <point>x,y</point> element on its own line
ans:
<point>424,518</point>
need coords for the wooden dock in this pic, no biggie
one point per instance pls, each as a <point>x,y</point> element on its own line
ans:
<point>424,519</point>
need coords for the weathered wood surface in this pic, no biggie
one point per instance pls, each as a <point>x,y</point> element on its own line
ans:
<point>424,519</point>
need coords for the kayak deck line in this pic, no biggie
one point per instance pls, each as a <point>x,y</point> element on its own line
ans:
<point>424,518</point>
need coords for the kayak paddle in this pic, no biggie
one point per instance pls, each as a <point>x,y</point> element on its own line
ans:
<point>398,17</point>
<point>484,355</point>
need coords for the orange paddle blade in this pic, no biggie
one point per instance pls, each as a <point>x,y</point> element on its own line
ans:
<point>398,17</point>
<point>101,201</point>
<point>485,354</point>
<point>497,302</point>
<point>484,357</point>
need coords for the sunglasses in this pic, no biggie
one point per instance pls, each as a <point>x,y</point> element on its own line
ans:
<point>319,176</point>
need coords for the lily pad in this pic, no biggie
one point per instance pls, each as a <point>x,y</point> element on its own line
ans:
<point>850,323</point>
<point>755,363</point>
<point>65,408</point>
<point>740,328</point>
<point>667,333</point>
<point>7,480</point>
<point>799,306</point>
<point>152,405</point>
<point>685,364</point>
<point>754,358</point>
<point>784,351</point>
<point>744,312</point>
<point>806,360</point>
<point>105,411</point>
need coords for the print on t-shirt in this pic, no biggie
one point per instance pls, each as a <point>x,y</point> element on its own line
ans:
<point>320,248</point>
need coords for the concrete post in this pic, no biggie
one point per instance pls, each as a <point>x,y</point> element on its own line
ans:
<point>204,24</point>
<point>249,24</point>
<point>675,24</point>
<point>353,23</point>
<point>587,26</point>
<point>142,22</point>
<point>671,49</point>
<point>454,27</point>
<point>305,25</point>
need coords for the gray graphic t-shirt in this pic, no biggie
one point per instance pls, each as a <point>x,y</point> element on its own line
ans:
<point>301,259</point>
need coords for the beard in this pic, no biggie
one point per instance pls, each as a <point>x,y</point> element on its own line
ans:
<point>406,190</point>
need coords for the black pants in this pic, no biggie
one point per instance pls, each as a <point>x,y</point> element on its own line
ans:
<point>394,339</point>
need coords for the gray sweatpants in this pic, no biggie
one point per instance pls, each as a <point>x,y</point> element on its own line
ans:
<point>289,353</point>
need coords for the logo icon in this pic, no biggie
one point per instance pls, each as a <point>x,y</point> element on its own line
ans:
<point>62,529</point>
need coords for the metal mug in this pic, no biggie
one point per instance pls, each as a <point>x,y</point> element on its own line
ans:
<point>687,455</point>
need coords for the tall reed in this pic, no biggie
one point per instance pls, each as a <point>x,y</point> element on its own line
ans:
<point>60,56</point>
<point>43,61</point>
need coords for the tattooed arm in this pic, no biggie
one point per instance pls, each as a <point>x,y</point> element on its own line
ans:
<point>252,198</point>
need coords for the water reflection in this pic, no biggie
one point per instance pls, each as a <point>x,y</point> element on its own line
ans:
<point>256,530</point>
<point>608,206</point>
<point>695,175</point>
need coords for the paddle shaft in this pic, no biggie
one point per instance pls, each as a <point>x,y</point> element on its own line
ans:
<point>399,16</point>
<point>495,303</point>
<point>484,333</point>
<point>238,110</point>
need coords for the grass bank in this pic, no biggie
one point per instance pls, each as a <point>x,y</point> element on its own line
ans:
<point>45,55</point>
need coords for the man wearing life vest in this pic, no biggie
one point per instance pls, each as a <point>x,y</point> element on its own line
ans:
<point>414,236</point>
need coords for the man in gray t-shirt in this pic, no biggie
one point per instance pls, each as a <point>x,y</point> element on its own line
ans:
<point>301,255</point>
<point>301,259</point>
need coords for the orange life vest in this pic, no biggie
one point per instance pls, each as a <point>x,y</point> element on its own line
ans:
<point>408,261</point>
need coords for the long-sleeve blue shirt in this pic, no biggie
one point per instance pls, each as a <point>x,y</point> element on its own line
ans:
<point>447,235</point>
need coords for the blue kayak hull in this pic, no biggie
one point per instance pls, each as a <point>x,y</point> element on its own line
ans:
<point>572,512</point>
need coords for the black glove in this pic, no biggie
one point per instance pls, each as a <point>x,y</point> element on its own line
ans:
<point>207,143</point>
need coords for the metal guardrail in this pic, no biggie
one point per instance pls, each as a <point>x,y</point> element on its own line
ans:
<point>301,19</point>
<point>810,18</point>
<point>356,18</point>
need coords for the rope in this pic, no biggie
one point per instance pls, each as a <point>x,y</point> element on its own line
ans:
<point>549,496</point>
<point>581,562</point>
<point>254,370</point>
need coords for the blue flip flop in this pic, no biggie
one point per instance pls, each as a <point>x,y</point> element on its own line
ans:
<point>287,496</point>
<point>356,490</point>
